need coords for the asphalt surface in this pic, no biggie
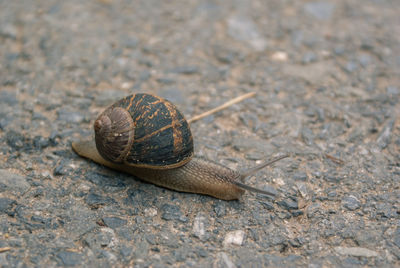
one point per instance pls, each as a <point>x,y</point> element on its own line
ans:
<point>327,78</point>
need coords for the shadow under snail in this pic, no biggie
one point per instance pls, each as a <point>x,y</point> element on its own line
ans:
<point>148,137</point>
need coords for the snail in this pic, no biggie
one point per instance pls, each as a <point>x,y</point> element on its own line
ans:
<point>148,137</point>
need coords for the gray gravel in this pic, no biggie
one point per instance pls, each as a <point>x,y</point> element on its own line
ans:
<point>327,77</point>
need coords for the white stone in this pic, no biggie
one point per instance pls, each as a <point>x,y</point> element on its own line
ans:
<point>150,212</point>
<point>279,56</point>
<point>234,238</point>
<point>198,226</point>
<point>356,251</point>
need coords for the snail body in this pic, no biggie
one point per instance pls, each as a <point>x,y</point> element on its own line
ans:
<point>197,176</point>
<point>161,154</point>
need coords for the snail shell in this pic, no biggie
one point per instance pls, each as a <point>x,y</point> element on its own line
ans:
<point>144,130</point>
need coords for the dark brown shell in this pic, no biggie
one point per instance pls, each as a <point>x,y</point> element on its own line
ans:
<point>144,130</point>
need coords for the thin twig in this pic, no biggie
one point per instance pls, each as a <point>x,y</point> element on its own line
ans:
<point>221,107</point>
<point>4,249</point>
<point>252,170</point>
<point>335,159</point>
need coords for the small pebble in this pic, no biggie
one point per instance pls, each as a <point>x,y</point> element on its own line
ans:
<point>220,209</point>
<point>302,188</point>
<point>105,237</point>
<point>289,204</point>
<point>351,202</point>
<point>199,226</point>
<point>234,238</point>
<point>279,56</point>
<point>150,212</point>
<point>313,210</point>
<point>114,222</point>
<point>384,137</point>
<point>170,212</point>
<point>6,204</point>
<point>95,200</point>
<point>356,251</point>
